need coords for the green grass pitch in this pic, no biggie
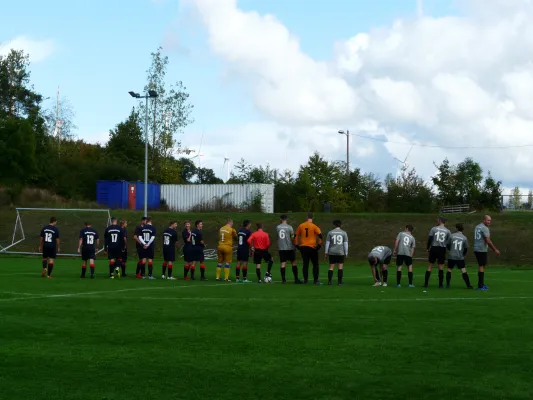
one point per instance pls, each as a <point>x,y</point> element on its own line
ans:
<point>67,338</point>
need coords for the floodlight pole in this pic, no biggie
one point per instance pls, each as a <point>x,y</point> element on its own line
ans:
<point>347,133</point>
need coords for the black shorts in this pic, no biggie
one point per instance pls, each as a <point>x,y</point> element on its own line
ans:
<point>88,254</point>
<point>336,259</point>
<point>197,255</point>
<point>437,254</point>
<point>260,255</point>
<point>243,255</point>
<point>169,254</point>
<point>114,254</point>
<point>401,260</point>
<point>482,258</point>
<point>187,254</point>
<point>49,252</point>
<point>309,254</point>
<point>287,255</point>
<point>146,253</point>
<point>460,264</point>
<point>124,256</point>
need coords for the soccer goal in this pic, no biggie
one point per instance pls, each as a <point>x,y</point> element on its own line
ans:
<point>30,221</point>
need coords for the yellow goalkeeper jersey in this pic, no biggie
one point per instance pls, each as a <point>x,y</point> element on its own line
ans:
<point>226,234</point>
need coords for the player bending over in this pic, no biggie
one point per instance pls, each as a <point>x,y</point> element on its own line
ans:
<point>114,244</point>
<point>481,244</point>
<point>260,243</point>
<point>124,256</point>
<point>186,235</point>
<point>87,245</point>
<point>286,249</point>
<point>139,272</point>
<point>49,246</point>
<point>458,247</point>
<point>309,240</point>
<point>243,252</point>
<point>380,255</point>
<point>337,250</point>
<point>404,248</point>
<point>198,244</point>
<point>226,234</point>
<point>436,247</point>
<point>170,241</point>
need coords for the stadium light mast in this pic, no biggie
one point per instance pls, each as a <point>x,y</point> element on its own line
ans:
<point>151,94</point>
<point>347,133</point>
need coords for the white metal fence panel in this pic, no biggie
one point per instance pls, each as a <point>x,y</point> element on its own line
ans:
<point>184,198</point>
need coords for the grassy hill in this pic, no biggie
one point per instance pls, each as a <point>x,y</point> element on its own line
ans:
<point>511,231</point>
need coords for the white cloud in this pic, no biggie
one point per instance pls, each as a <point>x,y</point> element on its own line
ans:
<point>38,49</point>
<point>452,81</point>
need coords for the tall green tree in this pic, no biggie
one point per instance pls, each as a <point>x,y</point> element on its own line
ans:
<point>17,141</point>
<point>187,170</point>
<point>207,176</point>
<point>515,199</point>
<point>126,141</point>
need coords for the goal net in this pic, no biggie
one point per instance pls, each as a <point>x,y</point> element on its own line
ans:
<point>25,235</point>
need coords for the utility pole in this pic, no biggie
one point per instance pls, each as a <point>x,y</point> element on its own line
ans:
<point>347,133</point>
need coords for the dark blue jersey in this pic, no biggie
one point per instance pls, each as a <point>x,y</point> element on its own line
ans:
<point>186,235</point>
<point>50,234</point>
<point>242,239</point>
<point>196,238</point>
<point>170,237</point>
<point>124,236</point>
<point>113,237</point>
<point>138,233</point>
<point>148,235</point>
<point>88,237</point>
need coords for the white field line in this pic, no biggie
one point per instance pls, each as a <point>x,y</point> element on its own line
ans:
<point>266,300</point>
<point>97,293</point>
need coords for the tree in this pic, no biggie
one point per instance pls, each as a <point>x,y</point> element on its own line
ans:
<point>169,113</point>
<point>207,176</point>
<point>127,141</point>
<point>468,179</point>
<point>408,193</point>
<point>64,114</point>
<point>530,200</point>
<point>17,141</point>
<point>187,169</point>
<point>515,200</point>
<point>444,180</point>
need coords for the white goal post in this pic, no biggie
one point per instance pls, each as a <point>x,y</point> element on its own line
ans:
<point>19,234</point>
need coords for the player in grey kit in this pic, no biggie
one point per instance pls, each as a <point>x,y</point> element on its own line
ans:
<point>380,255</point>
<point>458,247</point>
<point>337,250</point>
<point>482,243</point>
<point>436,247</point>
<point>287,253</point>
<point>404,248</point>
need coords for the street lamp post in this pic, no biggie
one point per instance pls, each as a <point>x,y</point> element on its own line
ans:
<point>151,94</point>
<point>347,133</point>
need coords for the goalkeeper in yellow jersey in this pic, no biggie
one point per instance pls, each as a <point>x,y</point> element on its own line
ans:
<point>226,234</point>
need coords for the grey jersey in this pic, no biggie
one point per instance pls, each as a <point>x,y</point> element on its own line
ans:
<point>480,234</point>
<point>381,252</point>
<point>440,236</point>
<point>337,243</point>
<point>406,244</point>
<point>285,234</point>
<point>457,245</point>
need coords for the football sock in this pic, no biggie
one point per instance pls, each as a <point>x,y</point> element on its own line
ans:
<point>83,270</point>
<point>480,282</point>
<point>138,269</point>
<point>143,269</point>
<point>410,275</point>
<point>426,279</point>
<point>92,269</point>
<point>118,263</point>
<point>169,270</point>
<point>219,267</point>
<point>244,272</point>
<point>466,278</point>
<point>202,271</point>
<point>186,269</point>
<point>45,262</point>
<point>441,277</point>
<point>270,263</point>
<point>226,271</point>
<point>385,275</point>
<point>295,272</point>
<point>50,268</point>
<point>305,271</point>
<point>123,267</point>
<point>111,267</point>
<point>398,277</point>
<point>150,268</point>
<point>258,273</point>
<point>238,272</point>
<point>282,270</point>
<point>315,273</point>
<point>164,268</point>
<point>448,278</point>
<point>340,275</point>
<point>193,269</point>
<point>330,275</point>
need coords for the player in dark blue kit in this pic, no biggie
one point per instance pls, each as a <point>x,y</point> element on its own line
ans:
<point>147,240</point>
<point>87,245</point>
<point>198,245</point>
<point>124,258</point>
<point>49,246</point>
<point>139,247</point>
<point>186,235</point>
<point>170,241</point>
<point>243,252</point>
<point>114,244</point>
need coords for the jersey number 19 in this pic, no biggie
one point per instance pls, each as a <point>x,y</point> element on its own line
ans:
<point>337,239</point>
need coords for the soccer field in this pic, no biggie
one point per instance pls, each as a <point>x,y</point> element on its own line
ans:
<point>67,338</point>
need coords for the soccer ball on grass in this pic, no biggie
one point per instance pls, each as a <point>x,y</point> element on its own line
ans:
<point>267,279</point>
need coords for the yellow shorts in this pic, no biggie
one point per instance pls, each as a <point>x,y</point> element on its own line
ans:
<point>225,254</point>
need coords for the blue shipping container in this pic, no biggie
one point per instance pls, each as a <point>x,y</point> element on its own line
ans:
<point>113,194</point>
<point>154,195</point>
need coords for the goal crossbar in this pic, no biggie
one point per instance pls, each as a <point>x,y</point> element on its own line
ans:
<point>18,224</point>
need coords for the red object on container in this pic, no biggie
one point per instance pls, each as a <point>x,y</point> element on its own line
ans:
<point>132,196</point>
